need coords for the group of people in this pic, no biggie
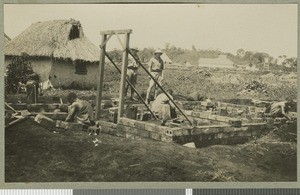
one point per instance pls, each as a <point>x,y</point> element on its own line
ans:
<point>156,67</point>
<point>82,112</point>
<point>162,104</point>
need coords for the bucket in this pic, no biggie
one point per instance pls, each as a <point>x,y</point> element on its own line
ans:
<point>146,116</point>
<point>131,112</point>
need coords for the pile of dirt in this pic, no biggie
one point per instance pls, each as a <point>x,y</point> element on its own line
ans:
<point>255,86</point>
<point>203,73</point>
<point>35,154</point>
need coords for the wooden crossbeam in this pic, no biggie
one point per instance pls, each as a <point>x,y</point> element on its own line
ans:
<point>106,35</point>
<point>103,44</point>
<point>108,32</point>
<point>120,41</point>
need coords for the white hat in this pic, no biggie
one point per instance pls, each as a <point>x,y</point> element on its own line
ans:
<point>158,51</point>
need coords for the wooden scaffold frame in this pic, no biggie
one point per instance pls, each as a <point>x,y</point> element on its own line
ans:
<point>105,36</point>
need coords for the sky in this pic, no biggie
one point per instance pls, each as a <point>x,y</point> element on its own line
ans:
<point>270,28</point>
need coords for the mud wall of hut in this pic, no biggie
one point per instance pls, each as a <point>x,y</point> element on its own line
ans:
<point>65,72</point>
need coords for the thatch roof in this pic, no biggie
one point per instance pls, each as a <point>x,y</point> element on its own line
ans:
<point>6,39</point>
<point>62,39</point>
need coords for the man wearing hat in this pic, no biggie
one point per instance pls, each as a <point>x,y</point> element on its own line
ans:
<point>132,70</point>
<point>156,67</point>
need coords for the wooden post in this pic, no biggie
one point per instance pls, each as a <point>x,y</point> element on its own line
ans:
<point>35,93</point>
<point>123,75</point>
<point>128,82</point>
<point>101,75</point>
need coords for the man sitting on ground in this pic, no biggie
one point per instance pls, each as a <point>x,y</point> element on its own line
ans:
<point>80,111</point>
<point>164,107</point>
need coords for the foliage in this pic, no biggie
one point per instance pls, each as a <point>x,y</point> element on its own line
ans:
<point>240,52</point>
<point>146,54</point>
<point>18,71</point>
<point>181,56</point>
<point>116,55</point>
<point>255,86</point>
<point>282,68</point>
<point>292,62</point>
<point>248,57</point>
<point>237,59</point>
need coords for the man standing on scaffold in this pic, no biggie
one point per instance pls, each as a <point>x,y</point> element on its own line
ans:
<point>132,71</point>
<point>156,67</point>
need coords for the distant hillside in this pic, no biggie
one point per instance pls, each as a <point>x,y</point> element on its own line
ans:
<point>192,56</point>
<point>181,56</point>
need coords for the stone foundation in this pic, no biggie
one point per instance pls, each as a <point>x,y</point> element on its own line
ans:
<point>129,128</point>
<point>228,124</point>
<point>200,135</point>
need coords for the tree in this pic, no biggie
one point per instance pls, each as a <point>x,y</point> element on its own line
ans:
<point>194,48</point>
<point>116,55</point>
<point>146,54</point>
<point>167,46</point>
<point>17,71</point>
<point>240,53</point>
<point>291,62</point>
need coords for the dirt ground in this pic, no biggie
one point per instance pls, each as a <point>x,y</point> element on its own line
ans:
<point>35,154</point>
<point>216,84</point>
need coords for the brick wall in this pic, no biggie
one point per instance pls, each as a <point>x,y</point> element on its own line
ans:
<point>200,135</point>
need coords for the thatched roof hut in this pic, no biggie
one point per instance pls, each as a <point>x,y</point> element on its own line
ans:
<point>166,58</point>
<point>60,39</point>
<point>6,39</point>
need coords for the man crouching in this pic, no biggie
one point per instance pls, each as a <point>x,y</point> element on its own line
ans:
<point>163,107</point>
<point>80,111</point>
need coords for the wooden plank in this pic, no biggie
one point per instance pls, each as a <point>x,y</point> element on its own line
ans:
<point>6,104</point>
<point>108,32</point>
<point>107,39</point>
<point>121,43</point>
<point>100,78</point>
<point>15,121</point>
<point>123,75</point>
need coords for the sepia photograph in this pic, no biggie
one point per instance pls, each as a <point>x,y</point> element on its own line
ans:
<point>150,92</point>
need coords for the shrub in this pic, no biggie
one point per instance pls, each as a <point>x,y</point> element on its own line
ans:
<point>17,71</point>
